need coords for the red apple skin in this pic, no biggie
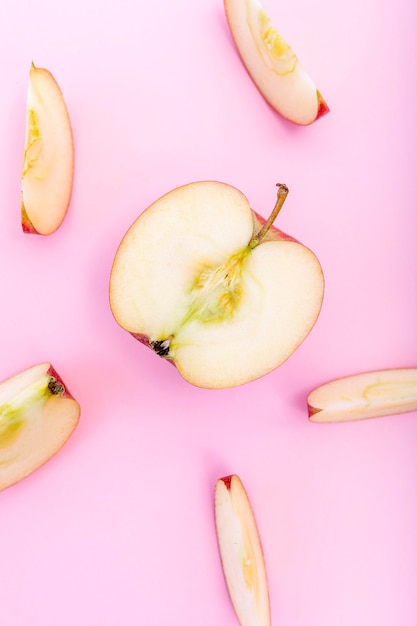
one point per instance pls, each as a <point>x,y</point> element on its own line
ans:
<point>54,374</point>
<point>27,226</point>
<point>144,339</point>
<point>273,234</point>
<point>227,481</point>
<point>312,411</point>
<point>323,108</point>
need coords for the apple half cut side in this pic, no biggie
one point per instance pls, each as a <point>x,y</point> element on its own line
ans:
<point>48,164</point>
<point>272,64</point>
<point>212,287</point>
<point>37,416</point>
<point>241,553</point>
<point>364,396</point>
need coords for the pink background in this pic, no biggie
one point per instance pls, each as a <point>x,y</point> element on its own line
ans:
<point>118,527</point>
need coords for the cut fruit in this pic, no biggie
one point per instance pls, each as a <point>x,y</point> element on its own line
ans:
<point>214,288</point>
<point>48,166</point>
<point>37,416</point>
<point>241,553</point>
<point>272,64</point>
<point>364,396</point>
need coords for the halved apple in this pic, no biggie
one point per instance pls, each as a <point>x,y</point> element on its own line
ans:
<point>272,64</point>
<point>241,553</point>
<point>208,284</point>
<point>37,416</point>
<point>364,396</point>
<point>48,166</point>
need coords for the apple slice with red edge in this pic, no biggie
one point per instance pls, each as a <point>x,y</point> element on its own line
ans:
<point>364,396</point>
<point>212,287</point>
<point>241,553</point>
<point>37,416</point>
<point>48,165</point>
<point>272,63</point>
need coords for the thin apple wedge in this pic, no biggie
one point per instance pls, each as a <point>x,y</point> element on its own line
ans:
<point>272,63</point>
<point>37,416</point>
<point>48,165</point>
<point>209,285</point>
<point>364,396</point>
<point>241,553</point>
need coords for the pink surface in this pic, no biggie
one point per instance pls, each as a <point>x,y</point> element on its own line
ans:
<point>118,527</point>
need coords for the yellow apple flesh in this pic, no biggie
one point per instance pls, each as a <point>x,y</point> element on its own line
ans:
<point>241,553</point>
<point>48,167</point>
<point>200,281</point>
<point>364,396</point>
<point>272,64</point>
<point>37,416</point>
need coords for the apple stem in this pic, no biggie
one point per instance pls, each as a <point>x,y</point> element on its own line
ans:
<point>281,196</point>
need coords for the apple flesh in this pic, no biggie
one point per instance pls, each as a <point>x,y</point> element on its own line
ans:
<point>48,165</point>
<point>212,287</point>
<point>241,553</point>
<point>37,416</point>
<point>272,64</point>
<point>364,396</point>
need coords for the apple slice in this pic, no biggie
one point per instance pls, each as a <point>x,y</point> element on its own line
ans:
<point>37,416</point>
<point>241,553</point>
<point>209,285</point>
<point>365,395</point>
<point>272,64</point>
<point>48,165</point>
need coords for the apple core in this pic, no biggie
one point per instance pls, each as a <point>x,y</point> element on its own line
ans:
<point>217,291</point>
<point>390,391</point>
<point>33,142</point>
<point>274,50</point>
<point>214,297</point>
<point>14,413</point>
